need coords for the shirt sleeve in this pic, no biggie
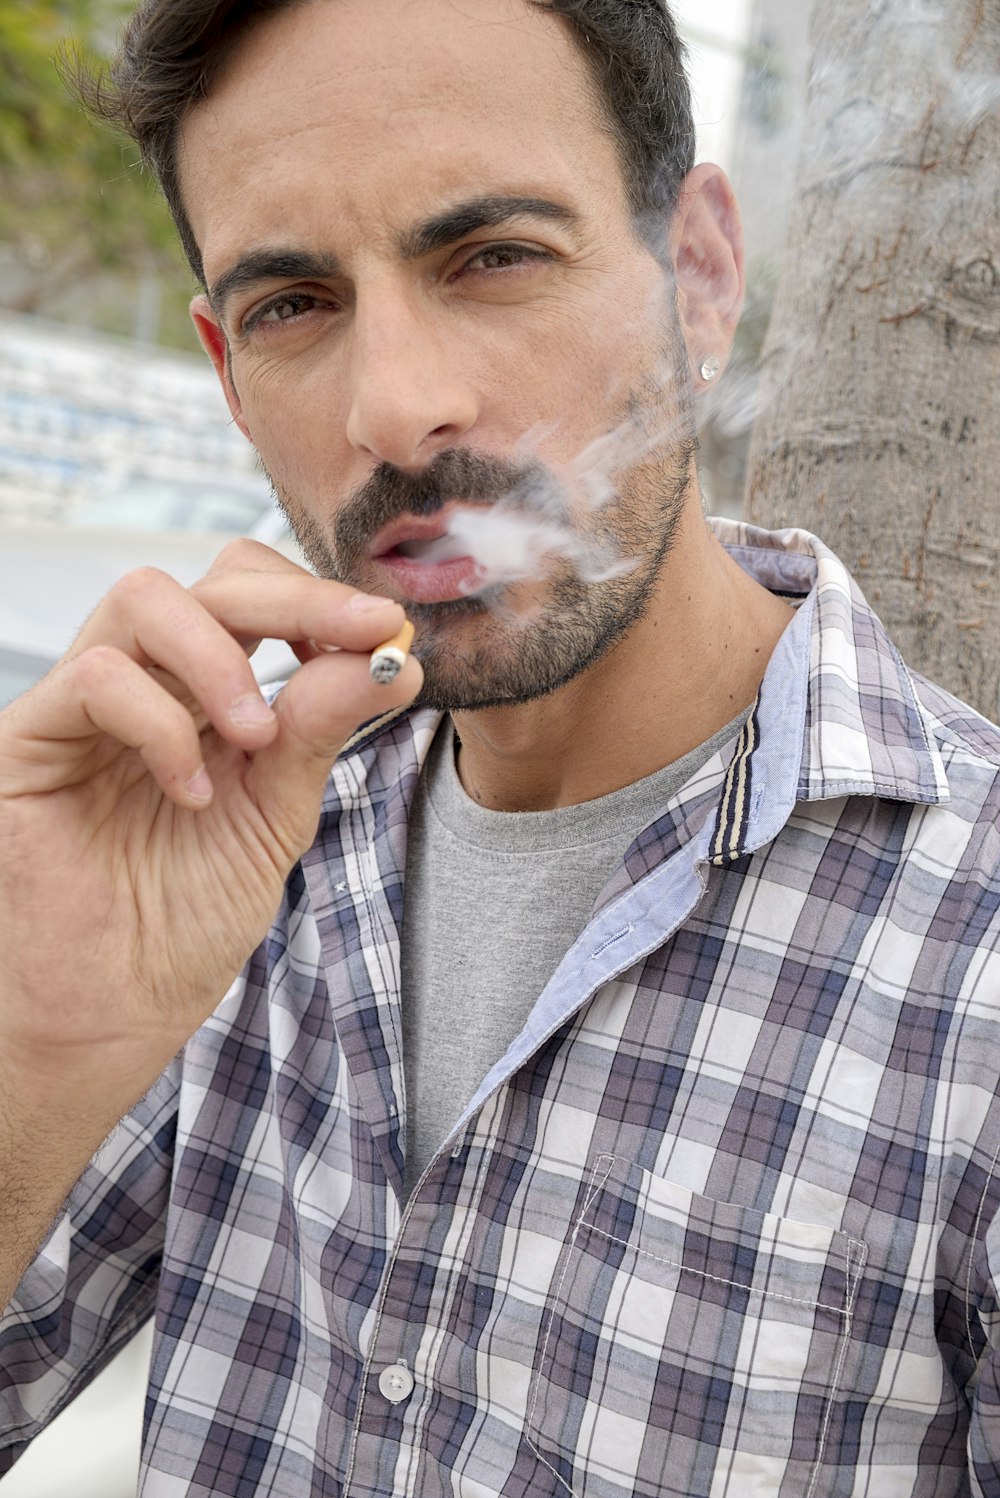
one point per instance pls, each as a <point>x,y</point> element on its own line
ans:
<point>94,1280</point>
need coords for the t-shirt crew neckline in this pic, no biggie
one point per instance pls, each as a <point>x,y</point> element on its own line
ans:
<point>588,822</point>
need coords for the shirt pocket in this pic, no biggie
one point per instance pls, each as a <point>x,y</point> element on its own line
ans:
<point>690,1347</point>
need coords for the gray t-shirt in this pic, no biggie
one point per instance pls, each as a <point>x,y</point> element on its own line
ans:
<point>493,902</point>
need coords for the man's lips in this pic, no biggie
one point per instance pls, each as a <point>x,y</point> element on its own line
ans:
<point>425,563</point>
<point>466,547</point>
<point>407,531</point>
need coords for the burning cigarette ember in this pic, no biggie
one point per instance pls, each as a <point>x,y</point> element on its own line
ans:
<point>389,659</point>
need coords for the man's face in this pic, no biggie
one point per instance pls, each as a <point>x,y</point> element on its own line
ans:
<point>460,367</point>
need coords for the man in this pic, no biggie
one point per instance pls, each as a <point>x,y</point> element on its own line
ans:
<point>601,1098</point>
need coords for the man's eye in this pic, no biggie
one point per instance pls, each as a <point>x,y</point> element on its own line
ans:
<point>281,309</point>
<point>503,256</point>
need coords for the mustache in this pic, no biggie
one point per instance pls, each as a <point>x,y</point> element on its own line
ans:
<point>453,474</point>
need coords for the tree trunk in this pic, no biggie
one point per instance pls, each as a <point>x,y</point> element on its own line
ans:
<point>879,414</point>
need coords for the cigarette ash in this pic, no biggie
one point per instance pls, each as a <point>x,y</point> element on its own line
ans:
<point>385,667</point>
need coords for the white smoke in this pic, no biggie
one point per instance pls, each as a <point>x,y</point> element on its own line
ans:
<point>508,544</point>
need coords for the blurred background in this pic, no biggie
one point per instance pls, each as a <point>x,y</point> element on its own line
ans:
<point>115,442</point>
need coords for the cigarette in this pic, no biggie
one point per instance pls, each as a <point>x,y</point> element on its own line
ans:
<point>389,659</point>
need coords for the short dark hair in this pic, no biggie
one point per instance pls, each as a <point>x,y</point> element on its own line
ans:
<point>172,50</point>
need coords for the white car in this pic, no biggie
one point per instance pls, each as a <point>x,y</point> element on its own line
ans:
<point>51,576</point>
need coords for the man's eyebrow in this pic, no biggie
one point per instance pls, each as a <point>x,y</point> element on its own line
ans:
<point>270,265</point>
<point>479,213</point>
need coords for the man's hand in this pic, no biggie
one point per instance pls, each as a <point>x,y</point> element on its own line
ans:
<point>151,807</point>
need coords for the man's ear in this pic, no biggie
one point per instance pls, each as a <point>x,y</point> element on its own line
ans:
<point>213,341</point>
<point>706,245</point>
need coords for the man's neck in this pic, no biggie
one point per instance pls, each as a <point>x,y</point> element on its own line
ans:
<point>683,672</point>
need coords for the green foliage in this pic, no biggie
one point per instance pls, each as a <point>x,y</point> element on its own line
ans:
<point>75,208</point>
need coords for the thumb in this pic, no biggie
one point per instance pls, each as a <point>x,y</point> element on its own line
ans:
<point>319,710</point>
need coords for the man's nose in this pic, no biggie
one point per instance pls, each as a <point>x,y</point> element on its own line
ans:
<point>408,396</point>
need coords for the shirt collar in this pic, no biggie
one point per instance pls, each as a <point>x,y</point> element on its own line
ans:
<point>837,714</point>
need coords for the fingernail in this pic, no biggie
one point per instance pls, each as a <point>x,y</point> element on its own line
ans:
<point>199,787</point>
<point>364,603</point>
<point>326,649</point>
<point>250,711</point>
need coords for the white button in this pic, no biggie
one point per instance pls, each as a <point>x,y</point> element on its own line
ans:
<point>396,1382</point>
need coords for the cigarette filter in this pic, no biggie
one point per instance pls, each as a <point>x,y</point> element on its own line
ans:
<point>389,659</point>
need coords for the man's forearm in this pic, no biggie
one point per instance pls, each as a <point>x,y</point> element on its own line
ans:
<point>54,1115</point>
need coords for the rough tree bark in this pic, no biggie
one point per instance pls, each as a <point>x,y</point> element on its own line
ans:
<point>879,415</point>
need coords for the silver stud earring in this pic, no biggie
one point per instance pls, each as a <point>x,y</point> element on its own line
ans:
<point>710,369</point>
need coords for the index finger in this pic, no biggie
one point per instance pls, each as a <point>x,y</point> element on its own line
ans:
<point>259,593</point>
<point>245,555</point>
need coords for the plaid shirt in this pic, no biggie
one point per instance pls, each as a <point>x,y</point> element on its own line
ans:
<point>723,1220</point>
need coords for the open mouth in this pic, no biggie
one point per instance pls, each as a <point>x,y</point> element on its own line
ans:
<point>430,550</point>
<point>413,538</point>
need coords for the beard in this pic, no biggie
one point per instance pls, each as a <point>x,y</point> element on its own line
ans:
<point>510,644</point>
